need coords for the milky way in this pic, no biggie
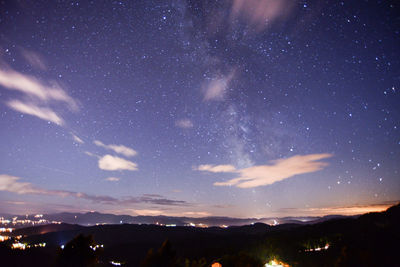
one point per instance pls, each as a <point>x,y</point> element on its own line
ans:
<point>240,108</point>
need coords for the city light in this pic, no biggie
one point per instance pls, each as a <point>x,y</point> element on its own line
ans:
<point>276,263</point>
<point>3,238</point>
<point>318,248</point>
<point>18,246</point>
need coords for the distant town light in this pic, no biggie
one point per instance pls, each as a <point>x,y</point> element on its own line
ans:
<point>116,263</point>
<point>18,246</point>
<point>276,263</point>
<point>318,248</point>
<point>3,238</point>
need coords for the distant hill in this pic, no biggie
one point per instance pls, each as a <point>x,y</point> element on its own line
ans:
<point>47,228</point>
<point>95,218</point>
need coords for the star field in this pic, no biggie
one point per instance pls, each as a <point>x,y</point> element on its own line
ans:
<point>238,108</point>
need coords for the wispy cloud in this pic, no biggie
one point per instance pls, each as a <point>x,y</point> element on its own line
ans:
<point>120,149</point>
<point>216,89</point>
<point>348,210</point>
<point>112,179</point>
<point>268,174</point>
<point>34,59</point>
<point>37,97</point>
<point>77,139</point>
<point>216,168</point>
<point>154,199</point>
<point>43,113</point>
<point>197,213</point>
<point>113,163</point>
<point>184,123</point>
<point>32,87</point>
<point>13,184</point>
<point>338,210</point>
<point>148,212</point>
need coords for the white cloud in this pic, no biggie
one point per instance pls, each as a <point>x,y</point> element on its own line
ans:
<point>184,123</point>
<point>217,87</point>
<point>30,86</point>
<point>112,179</point>
<point>37,97</point>
<point>77,139</point>
<point>268,174</point>
<point>120,149</point>
<point>216,168</point>
<point>10,183</point>
<point>31,109</point>
<point>112,163</point>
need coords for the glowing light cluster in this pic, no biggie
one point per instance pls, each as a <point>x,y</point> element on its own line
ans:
<point>3,238</point>
<point>18,246</point>
<point>318,248</point>
<point>276,263</point>
<point>94,248</point>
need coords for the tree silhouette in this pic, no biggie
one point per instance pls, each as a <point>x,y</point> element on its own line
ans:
<point>78,252</point>
<point>164,257</point>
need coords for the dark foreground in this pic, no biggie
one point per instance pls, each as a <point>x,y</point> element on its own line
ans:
<point>370,240</point>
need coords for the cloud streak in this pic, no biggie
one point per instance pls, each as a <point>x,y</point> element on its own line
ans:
<point>338,210</point>
<point>77,139</point>
<point>120,149</point>
<point>112,179</point>
<point>13,184</point>
<point>184,123</point>
<point>32,87</point>
<point>37,96</point>
<point>216,168</point>
<point>43,113</point>
<point>113,163</point>
<point>262,175</point>
<point>34,59</point>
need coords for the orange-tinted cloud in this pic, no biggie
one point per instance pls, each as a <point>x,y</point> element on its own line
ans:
<point>262,175</point>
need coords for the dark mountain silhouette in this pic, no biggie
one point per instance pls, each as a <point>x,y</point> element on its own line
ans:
<point>93,218</point>
<point>368,240</point>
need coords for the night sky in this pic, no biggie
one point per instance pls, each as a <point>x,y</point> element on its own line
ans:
<point>243,108</point>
